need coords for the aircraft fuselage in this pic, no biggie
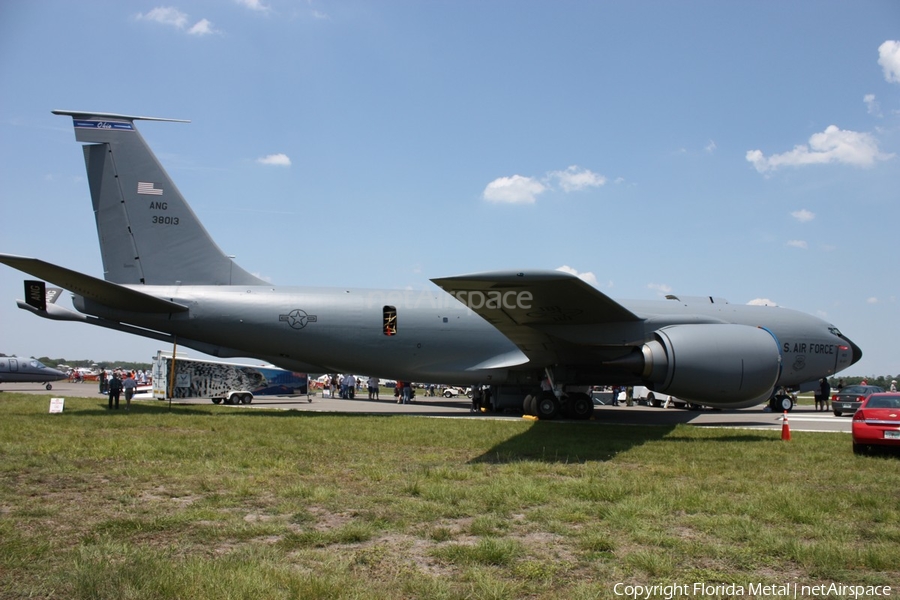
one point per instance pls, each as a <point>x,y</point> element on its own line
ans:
<point>435,338</point>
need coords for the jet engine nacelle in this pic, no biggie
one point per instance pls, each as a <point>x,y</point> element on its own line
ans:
<point>718,365</point>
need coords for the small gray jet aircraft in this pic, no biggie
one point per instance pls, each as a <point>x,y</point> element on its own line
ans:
<point>541,337</point>
<point>14,369</point>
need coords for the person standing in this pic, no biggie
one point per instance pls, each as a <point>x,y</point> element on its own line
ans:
<point>373,388</point>
<point>129,386</point>
<point>115,388</point>
<point>825,390</point>
<point>348,387</point>
<point>407,392</point>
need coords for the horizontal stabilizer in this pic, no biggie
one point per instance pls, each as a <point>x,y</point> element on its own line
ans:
<point>80,114</point>
<point>103,292</point>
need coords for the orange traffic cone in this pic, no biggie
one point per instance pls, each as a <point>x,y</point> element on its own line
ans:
<point>785,428</point>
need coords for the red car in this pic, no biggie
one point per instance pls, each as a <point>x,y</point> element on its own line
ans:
<point>877,422</point>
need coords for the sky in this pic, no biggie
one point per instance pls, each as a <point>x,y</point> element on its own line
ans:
<point>743,150</point>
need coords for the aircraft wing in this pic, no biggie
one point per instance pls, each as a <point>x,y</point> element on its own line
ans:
<point>109,294</point>
<point>521,304</point>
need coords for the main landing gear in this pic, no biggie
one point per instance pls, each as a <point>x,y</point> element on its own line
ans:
<point>545,405</point>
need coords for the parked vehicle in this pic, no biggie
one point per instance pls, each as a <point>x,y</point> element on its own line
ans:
<point>232,383</point>
<point>877,422</point>
<point>646,396</point>
<point>849,399</point>
<point>453,392</point>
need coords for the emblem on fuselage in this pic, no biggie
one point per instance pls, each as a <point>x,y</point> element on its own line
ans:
<point>298,319</point>
<point>799,363</point>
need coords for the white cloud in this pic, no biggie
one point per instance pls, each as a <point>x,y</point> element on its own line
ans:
<point>872,106</point>
<point>171,16</point>
<point>832,145</point>
<point>575,178</point>
<point>798,244</point>
<point>587,277</point>
<point>278,160</point>
<point>256,5</point>
<point>762,302</point>
<point>514,190</point>
<point>889,59</point>
<point>872,300</point>
<point>202,27</point>
<point>519,189</point>
<point>711,147</point>
<point>803,215</point>
<point>166,15</point>
<point>661,288</point>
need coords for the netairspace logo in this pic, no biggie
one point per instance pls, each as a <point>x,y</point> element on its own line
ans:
<point>787,590</point>
<point>459,300</point>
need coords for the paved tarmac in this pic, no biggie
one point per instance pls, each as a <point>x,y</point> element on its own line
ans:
<point>802,418</point>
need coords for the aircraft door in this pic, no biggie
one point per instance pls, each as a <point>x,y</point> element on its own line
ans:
<point>13,365</point>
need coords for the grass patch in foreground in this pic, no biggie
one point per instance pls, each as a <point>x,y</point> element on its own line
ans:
<point>224,502</point>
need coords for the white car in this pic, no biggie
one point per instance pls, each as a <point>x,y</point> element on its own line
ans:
<point>453,392</point>
<point>643,395</point>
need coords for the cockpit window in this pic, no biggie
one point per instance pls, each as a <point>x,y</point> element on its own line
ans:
<point>835,331</point>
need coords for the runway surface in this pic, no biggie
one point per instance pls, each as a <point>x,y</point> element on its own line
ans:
<point>802,418</point>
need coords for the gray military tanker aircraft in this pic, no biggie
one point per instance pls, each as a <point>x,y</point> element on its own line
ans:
<point>28,370</point>
<point>540,336</point>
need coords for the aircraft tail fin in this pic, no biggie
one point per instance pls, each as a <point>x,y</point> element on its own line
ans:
<point>148,232</point>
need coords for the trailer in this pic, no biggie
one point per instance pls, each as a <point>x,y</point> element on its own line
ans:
<point>231,383</point>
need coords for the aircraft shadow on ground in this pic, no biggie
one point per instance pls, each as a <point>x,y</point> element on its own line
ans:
<point>566,442</point>
<point>764,435</point>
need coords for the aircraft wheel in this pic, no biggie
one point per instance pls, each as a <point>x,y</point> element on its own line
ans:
<point>784,403</point>
<point>581,406</point>
<point>48,386</point>
<point>526,405</point>
<point>547,406</point>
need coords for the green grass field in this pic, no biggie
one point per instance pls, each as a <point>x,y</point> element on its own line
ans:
<point>221,502</point>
